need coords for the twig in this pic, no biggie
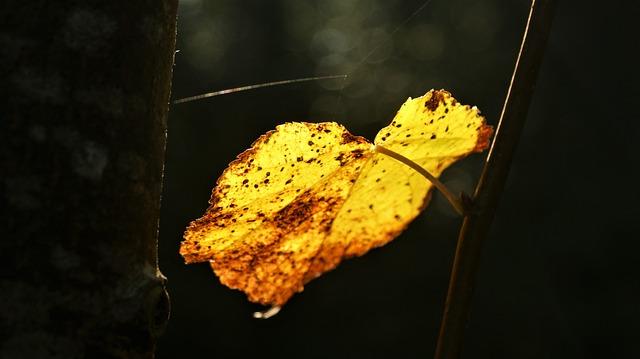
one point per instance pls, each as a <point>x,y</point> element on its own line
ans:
<point>477,222</point>
<point>257,86</point>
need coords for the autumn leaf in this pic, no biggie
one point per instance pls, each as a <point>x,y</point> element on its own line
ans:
<point>307,195</point>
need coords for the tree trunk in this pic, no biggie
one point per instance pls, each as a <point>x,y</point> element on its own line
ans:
<point>84,99</point>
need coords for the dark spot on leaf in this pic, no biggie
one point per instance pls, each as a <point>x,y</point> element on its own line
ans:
<point>433,136</point>
<point>348,138</point>
<point>433,102</point>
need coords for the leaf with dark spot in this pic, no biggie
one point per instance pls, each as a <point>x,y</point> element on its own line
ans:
<point>347,198</point>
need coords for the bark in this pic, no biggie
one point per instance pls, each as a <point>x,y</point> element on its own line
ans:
<point>84,99</point>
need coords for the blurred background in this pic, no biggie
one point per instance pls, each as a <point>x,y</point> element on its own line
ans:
<point>559,275</point>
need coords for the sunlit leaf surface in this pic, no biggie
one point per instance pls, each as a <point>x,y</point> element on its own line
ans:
<point>307,195</point>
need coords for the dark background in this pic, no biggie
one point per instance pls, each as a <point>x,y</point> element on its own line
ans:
<point>559,276</point>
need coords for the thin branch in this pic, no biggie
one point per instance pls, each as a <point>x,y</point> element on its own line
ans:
<point>477,222</point>
<point>256,86</point>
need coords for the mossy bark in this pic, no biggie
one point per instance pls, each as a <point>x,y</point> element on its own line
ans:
<point>83,107</point>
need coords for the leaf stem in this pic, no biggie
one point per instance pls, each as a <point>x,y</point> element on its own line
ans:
<point>267,313</point>
<point>477,222</point>
<point>455,202</point>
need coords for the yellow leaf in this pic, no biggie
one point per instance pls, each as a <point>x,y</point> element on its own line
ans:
<point>306,195</point>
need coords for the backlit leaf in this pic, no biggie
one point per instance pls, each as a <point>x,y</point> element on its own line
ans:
<point>307,195</point>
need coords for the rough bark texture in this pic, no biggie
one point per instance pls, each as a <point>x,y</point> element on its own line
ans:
<point>84,98</point>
